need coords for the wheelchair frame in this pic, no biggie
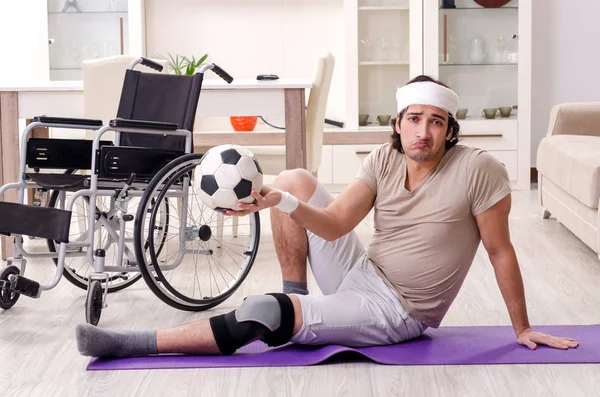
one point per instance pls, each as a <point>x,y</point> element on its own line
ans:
<point>120,193</point>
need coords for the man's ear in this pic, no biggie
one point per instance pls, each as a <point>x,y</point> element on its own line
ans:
<point>449,134</point>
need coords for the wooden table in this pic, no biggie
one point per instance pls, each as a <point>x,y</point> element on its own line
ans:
<point>242,97</point>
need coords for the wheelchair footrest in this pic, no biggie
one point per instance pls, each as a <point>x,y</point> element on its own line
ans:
<point>27,287</point>
<point>29,220</point>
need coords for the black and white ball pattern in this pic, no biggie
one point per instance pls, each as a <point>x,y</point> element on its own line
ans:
<point>227,175</point>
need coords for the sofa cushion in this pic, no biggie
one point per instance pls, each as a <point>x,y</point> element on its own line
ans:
<point>572,162</point>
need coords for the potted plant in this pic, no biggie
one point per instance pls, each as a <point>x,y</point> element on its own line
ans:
<point>182,65</point>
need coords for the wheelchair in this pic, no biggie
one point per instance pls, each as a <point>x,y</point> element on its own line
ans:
<point>124,210</point>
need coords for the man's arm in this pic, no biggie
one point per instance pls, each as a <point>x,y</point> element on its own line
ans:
<point>495,235</point>
<point>341,216</point>
<point>331,223</point>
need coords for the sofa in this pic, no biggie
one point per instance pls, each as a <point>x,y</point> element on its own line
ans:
<point>568,165</point>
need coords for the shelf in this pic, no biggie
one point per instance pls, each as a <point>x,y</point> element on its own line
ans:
<point>375,128</point>
<point>376,63</point>
<point>65,68</point>
<point>480,119</point>
<point>383,8</point>
<point>479,64</point>
<point>86,12</point>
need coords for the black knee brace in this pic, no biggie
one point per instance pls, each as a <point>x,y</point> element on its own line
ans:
<point>270,320</point>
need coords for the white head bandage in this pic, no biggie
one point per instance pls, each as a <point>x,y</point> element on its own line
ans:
<point>427,93</point>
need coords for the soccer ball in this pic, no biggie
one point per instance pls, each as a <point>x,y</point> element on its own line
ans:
<point>226,175</point>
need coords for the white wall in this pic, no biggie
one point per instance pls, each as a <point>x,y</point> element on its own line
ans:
<point>566,59</point>
<point>248,38</point>
<point>287,36</point>
<point>23,46</point>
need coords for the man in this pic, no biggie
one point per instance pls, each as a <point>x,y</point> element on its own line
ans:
<point>433,203</point>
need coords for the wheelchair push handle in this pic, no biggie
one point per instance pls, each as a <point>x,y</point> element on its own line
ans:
<point>146,62</point>
<point>223,74</point>
<point>151,64</point>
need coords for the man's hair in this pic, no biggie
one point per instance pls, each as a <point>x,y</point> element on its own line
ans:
<point>452,123</point>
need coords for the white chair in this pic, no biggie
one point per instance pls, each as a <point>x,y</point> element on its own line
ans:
<point>272,158</point>
<point>102,85</point>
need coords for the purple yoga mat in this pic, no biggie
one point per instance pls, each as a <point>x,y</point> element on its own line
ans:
<point>442,346</point>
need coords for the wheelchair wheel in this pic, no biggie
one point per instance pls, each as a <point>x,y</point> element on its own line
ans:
<point>206,256</point>
<point>77,266</point>
<point>8,298</point>
<point>93,303</point>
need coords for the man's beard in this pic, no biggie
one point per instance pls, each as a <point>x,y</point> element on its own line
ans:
<point>424,155</point>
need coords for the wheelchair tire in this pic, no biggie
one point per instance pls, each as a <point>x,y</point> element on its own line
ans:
<point>199,232</point>
<point>93,303</point>
<point>8,298</point>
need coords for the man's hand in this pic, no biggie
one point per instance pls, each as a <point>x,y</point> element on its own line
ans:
<point>531,339</point>
<point>265,199</point>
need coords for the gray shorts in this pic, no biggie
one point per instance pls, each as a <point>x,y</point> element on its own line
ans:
<point>358,308</point>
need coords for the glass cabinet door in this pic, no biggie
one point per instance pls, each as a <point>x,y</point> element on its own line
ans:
<point>478,56</point>
<point>80,30</point>
<point>389,54</point>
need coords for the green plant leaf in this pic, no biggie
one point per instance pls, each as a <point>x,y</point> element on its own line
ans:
<point>190,69</point>
<point>202,59</point>
<point>180,64</point>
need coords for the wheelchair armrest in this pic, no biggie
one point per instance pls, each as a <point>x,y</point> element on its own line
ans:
<point>68,121</point>
<point>151,125</point>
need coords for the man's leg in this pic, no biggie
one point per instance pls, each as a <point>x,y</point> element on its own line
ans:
<point>364,311</point>
<point>199,337</point>
<point>330,261</point>
<point>291,243</point>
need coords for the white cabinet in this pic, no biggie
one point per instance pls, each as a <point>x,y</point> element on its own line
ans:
<point>79,30</point>
<point>341,163</point>
<point>484,54</point>
<point>347,160</point>
<point>384,50</point>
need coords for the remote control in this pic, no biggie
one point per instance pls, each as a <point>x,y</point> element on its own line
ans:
<point>267,77</point>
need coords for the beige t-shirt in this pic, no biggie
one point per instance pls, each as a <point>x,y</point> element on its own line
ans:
<point>425,240</point>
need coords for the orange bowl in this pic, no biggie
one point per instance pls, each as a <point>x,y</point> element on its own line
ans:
<point>243,123</point>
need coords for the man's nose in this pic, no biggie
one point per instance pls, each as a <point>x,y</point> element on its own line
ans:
<point>423,130</point>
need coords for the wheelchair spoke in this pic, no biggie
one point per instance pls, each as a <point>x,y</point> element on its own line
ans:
<point>205,265</point>
<point>218,263</point>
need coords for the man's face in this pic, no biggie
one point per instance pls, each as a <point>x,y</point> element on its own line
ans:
<point>423,132</point>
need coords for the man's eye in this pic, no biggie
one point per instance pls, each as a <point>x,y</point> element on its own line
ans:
<point>437,122</point>
<point>413,118</point>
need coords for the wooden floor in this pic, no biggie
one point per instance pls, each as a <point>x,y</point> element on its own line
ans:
<point>38,356</point>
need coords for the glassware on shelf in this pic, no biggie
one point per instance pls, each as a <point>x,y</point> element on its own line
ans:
<point>499,54</point>
<point>478,50</point>
<point>74,55</point>
<point>512,49</point>
<point>96,50</point>
<point>384,47</point>
<point>71,6</point>
<point>396,49</point>
<point>366,50</point>
<point>112,5</point>
<point>112,48</point>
